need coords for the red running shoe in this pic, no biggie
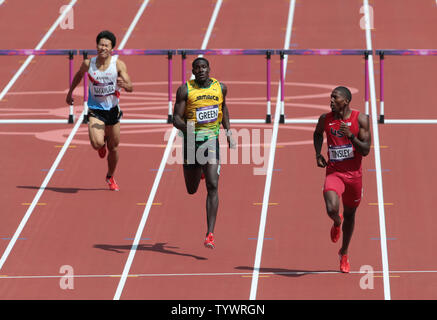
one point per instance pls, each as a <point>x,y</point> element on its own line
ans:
<point>112,184</point>
<point>102,151</point>
<point>209,241</point>
<point>344,263</point>
<point>336,231</point>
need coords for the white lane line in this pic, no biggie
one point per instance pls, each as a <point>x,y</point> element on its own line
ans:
<point>158,176</point>
<point>133,24</point>
<point>61,152</point>
<point>1,2</point>
<point>263,219</point>
<point>211,24</point>
<point>52,169</point>
<point>39,46</point>
<point>374,116</point>
<point>213,274</point>
<point>40,192</point>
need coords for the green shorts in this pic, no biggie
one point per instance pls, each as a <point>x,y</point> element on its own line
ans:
<point>201,152</point>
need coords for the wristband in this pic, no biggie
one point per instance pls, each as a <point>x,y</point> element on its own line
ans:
<point>228,132</point>
<point>352,137</point>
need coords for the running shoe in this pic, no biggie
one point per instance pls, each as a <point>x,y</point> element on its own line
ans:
<point>344,263</point>
<point>209,241</point>
<point>336,231</point>
<point>102,151</point>
<point>112,184</point>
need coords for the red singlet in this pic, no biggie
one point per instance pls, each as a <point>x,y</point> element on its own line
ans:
<point>341,153</point>
<point>344,172</point>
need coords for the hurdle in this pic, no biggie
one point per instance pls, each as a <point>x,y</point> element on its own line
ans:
<point>321,52</point>
<point>145,52</point>
<point>43,52</point>
<point>392,52</point>
<point>226,52</point>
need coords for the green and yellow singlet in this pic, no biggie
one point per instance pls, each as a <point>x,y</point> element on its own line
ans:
<point>204,108</point>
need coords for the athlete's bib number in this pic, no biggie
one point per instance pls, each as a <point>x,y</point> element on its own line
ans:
<point>340,153</point>
<point>207,114</point>
<point>103,89</point>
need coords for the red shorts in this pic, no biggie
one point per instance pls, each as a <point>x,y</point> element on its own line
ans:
<point>350,190</point>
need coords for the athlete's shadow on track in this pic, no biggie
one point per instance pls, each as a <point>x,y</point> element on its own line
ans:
<point>288,272</point>
<point>157,247</point>
<point>63,190</point>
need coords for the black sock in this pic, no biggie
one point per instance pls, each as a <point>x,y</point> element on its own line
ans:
<point>108,177</point>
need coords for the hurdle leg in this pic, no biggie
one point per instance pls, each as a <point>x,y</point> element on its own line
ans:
<point>381,93</point>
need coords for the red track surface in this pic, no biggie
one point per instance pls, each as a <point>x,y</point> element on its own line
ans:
<point>81,224</point>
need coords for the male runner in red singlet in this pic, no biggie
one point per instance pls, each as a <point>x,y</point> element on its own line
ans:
<point>348,137</point>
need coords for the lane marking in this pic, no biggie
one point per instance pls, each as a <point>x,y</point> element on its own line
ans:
<point>61,152</point>
<point>153,204</point>
<point>374,116</point>
<point>38,46</point>
<point>263,218</point>
<point>393,274</point>
<point>70,147</point>
<point>270,203</point>
<point>36,204</point>
<point>158,176</point>
<point>38,195</point>
<point>377,204</point>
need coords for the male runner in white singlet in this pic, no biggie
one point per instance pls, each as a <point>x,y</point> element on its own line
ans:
<point>107,75</point>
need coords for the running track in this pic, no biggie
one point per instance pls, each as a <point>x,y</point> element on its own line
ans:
<point>78,223</point>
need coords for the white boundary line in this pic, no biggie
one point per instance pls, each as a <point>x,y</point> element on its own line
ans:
<point>410,121</point>
<point>158,176</point>
<point>61,153</point>
<point>210,274</point>
<point>263,218</point>
<point>40,192</point>
<point>376,149</point>
<point>57,160</point>
<point>39,46</point>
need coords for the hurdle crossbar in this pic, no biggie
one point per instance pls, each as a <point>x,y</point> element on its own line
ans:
<point>143,52</point>
<point>42,52</point>
<point>321,52</point>
<point>396,52</point>
<point>228,52</point>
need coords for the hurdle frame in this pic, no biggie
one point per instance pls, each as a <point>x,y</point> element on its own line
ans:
<point>399,52</point>
<point>226,52</point>
<point>145,52</point>
<point>321,52</point>
<point>43,52</point>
